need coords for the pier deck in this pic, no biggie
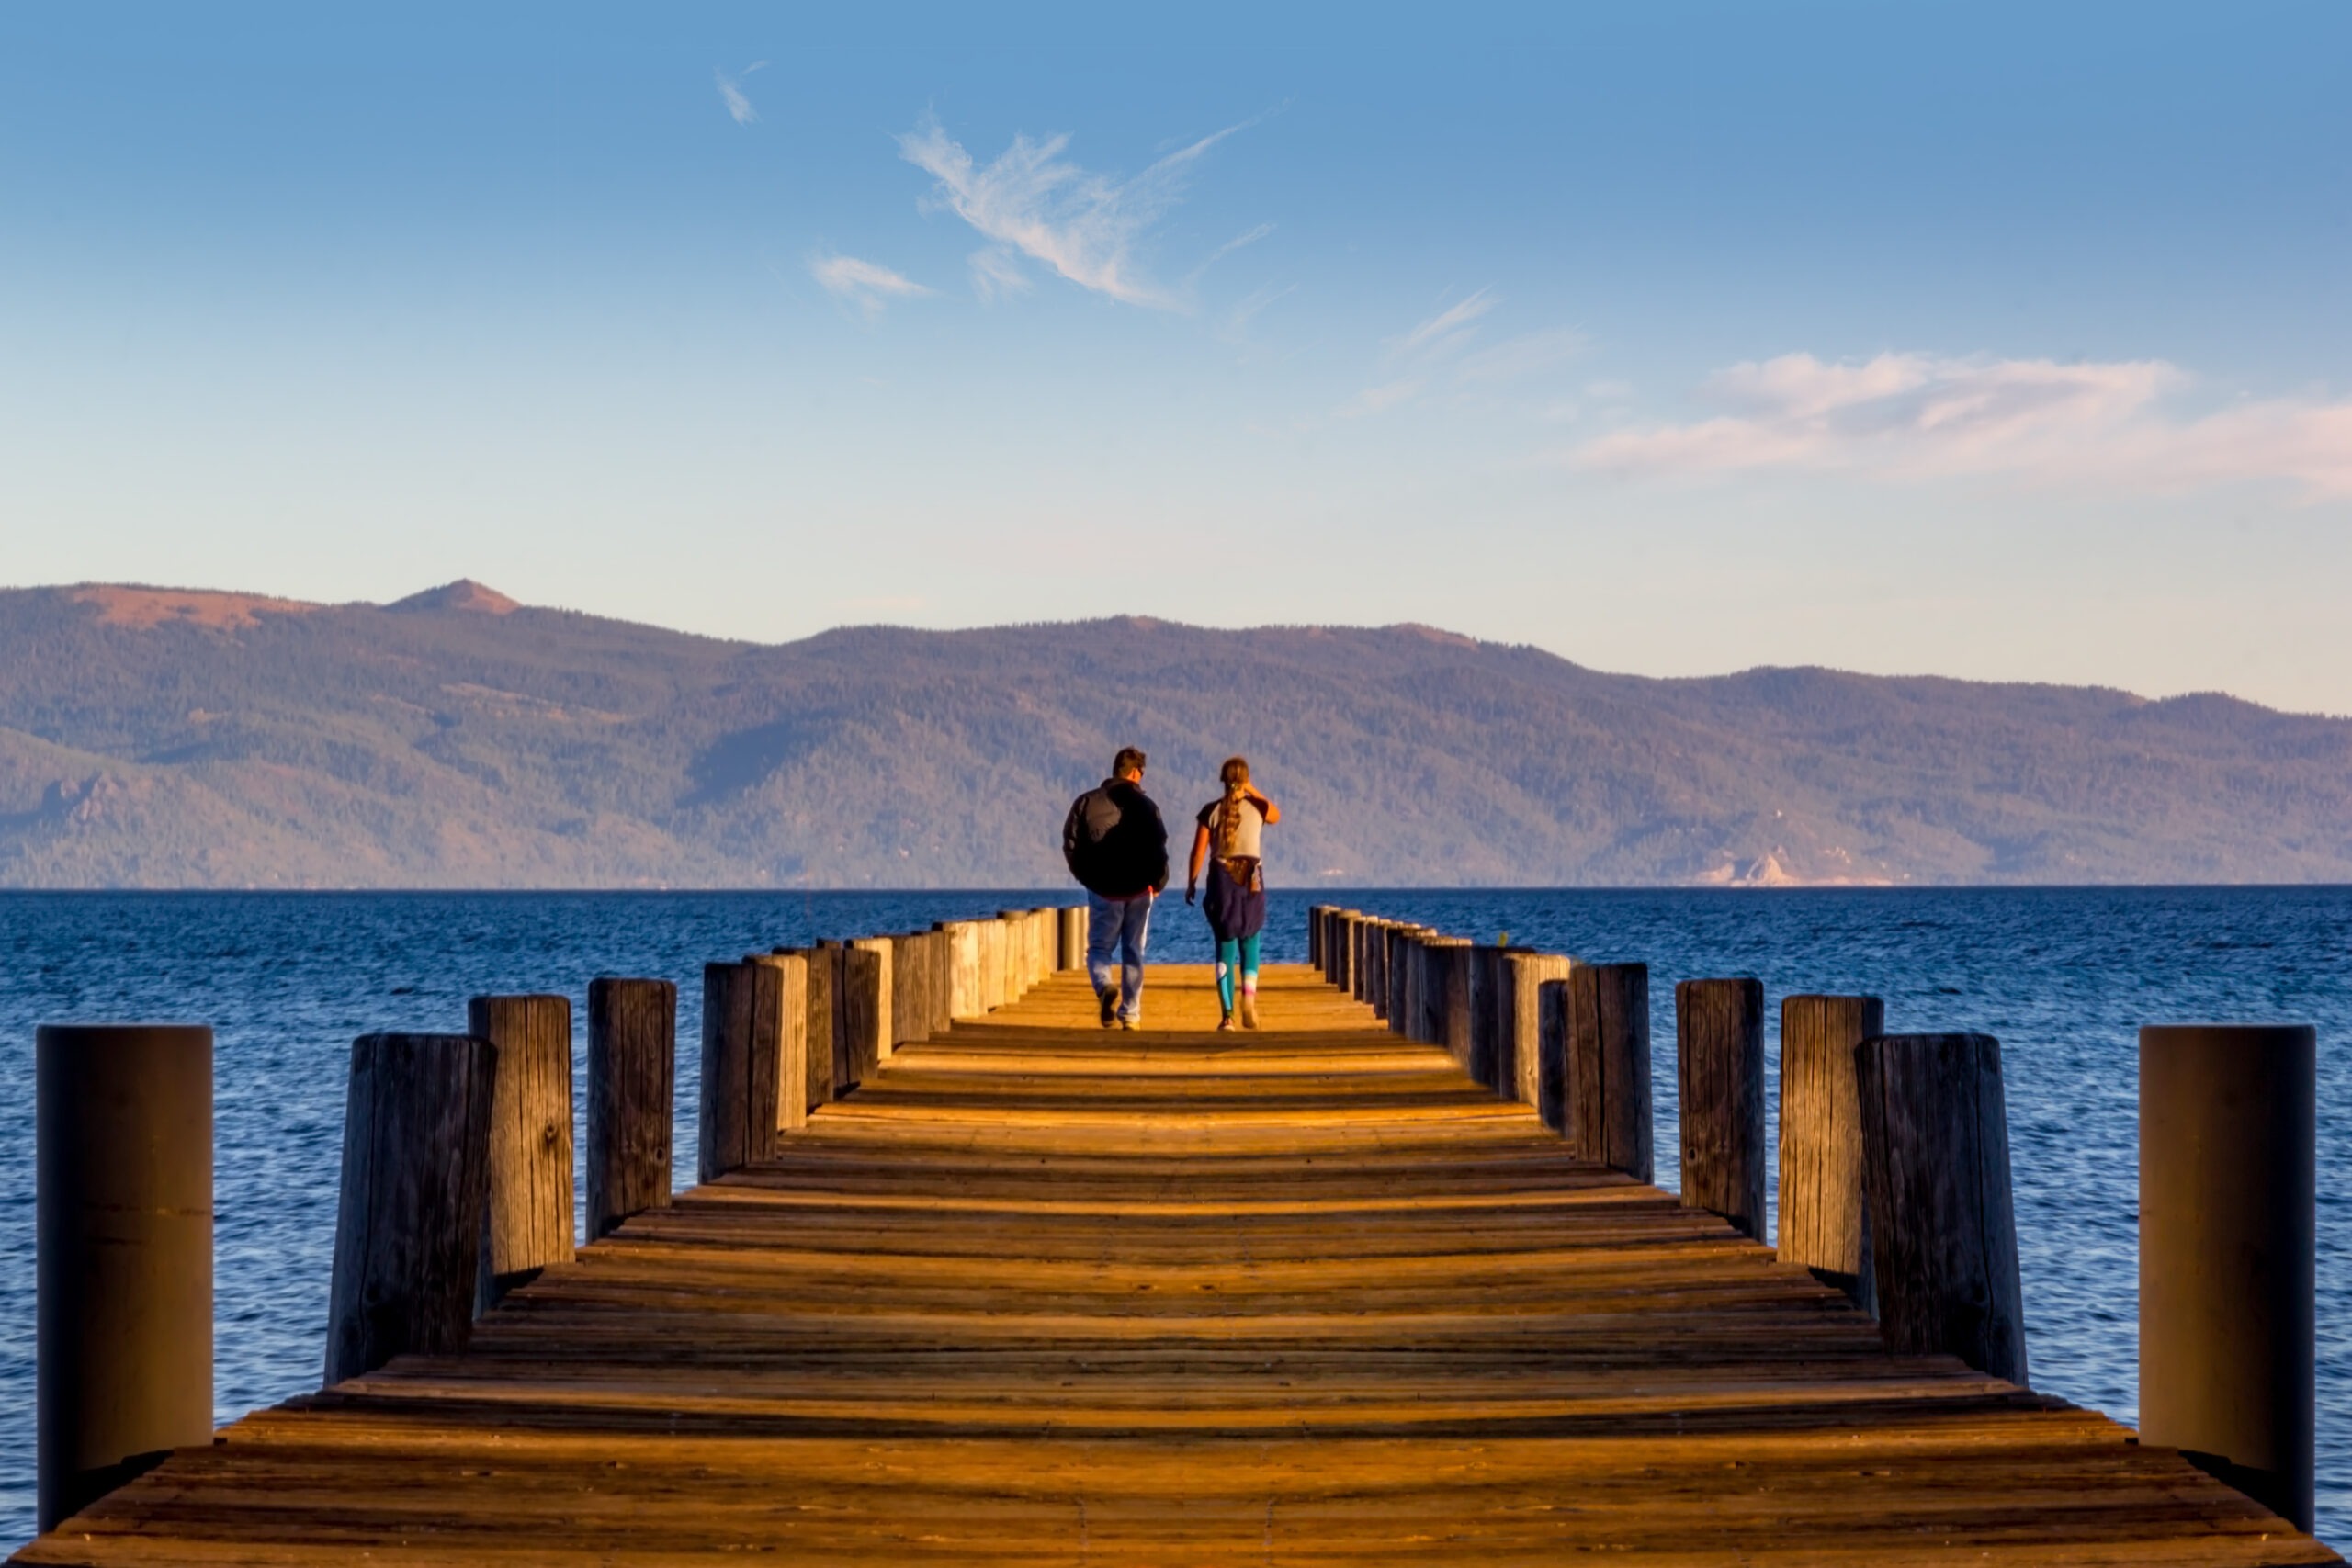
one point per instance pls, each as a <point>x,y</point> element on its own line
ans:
<point>1047,1295</point>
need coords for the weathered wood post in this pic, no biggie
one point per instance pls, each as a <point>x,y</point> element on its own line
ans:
<point>123,1155</point>
<point>941,945</point>
<point>1519,1061</point>
<point>1071,927</point>
<point>1449,996</point>
<point>1609,1065</point>
<point>825,1042</point>
<point>1315,937</point>
<point>1396,969</point>
<point>1719,1029</point>
<point>1015,936</point>
<point>861,1015</point>
<point>632,1071</point>
<point>990,937</point>
<point>791,1030</point>
<point>1342,943</point>
<point>1375,965</point>
<point>415,1185</point>
<point>2227,1207</point>
<point>1416,984</point>
<point>1936,1175</point>
<point>910,975</point>
<point>741,1026</point>
<point>527,1225</point>
<point>1490,1007</point>
<point>885,1021</point>
<point>1553,1008</point>
<point>1824,1224</point>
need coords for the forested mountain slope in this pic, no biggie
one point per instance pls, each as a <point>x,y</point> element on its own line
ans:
<point>160,738</point>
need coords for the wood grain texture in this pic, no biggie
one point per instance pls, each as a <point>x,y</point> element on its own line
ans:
<point>822,1047</point>
<point>632,1075</point>
<point>1719,1067</point>
<point>1607,1066</point>
<point>1518,1063</point>
<point>1042,1293</point>
<point>1825,1224</point>
<point>409,1213</point>
<point>785,1014</point>
<point>1936,1175</point>
<point>526,1220</point>
<point>737,1108</point>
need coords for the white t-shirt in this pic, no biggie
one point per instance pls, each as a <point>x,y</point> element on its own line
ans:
<point>1246,831</point>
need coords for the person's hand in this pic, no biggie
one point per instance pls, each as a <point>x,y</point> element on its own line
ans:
<point>1192,891</point>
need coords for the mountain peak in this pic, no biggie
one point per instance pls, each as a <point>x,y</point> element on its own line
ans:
<point>463,594</point>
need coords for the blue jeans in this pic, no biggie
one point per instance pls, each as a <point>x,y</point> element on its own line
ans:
<point>1117,929</point>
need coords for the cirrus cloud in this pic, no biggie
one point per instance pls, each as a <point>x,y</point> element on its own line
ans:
<point>1918,415</point>
<point>867,285</point>
<point>1031,201</point>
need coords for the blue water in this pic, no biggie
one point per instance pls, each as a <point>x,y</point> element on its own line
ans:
<point>2063,976</point>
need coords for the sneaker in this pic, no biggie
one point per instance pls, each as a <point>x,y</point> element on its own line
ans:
<point>1225,1023</point>
<point>1130,1023</point>
<point>1109,1000</point>
<point>1249,1011</point>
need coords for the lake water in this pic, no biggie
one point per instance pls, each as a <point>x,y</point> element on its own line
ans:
<point>2063,976</point>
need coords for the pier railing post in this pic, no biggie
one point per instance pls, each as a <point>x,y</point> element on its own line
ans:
<point>862,1011</point>
<point>1719,1029</point>
<point>1315,939</point>
<point>527,1223</point>
<point>823,1039</point>
<point>738,1066</point>
<point>939,943</point>
<point>1936,1174</point>
<point>1824,1224</point>
<point>1375,993</point>
<point>416,1184</point>
<point>123,1151</point>
<point>632,1074</point>
<point>2227,1209</point>
<point>1491,1000</point>
<point>1397,976</point>
<point>1071,927</point>
<point>1608,1109</point>
<point>1519,1061</point>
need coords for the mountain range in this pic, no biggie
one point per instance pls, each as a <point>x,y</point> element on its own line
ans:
<point>166,737</point>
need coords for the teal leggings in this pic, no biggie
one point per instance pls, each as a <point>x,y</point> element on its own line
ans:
<point>1230,955</point>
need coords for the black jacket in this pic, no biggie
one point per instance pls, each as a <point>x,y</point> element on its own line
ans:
<point>1114,841</point>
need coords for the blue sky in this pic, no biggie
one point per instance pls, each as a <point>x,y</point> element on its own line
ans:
<point>1970,339</point>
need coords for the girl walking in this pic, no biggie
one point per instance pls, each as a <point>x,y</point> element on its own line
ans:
<point>1231,826</point>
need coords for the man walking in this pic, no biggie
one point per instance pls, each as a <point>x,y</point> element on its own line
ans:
<point>1117,848</point>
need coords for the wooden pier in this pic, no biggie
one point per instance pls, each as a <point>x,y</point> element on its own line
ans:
<point>1037,1293</point>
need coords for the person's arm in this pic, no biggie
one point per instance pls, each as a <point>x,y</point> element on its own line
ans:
<point>1200,858</point>
<point>1267,808</point>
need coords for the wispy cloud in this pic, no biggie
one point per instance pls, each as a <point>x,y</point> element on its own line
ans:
<point>1517,358</point>
<point>1916,415</point>
<point>1032,201</point>
<point>867,285</point>
<point>1448,330</point>
<point>996,275</point>
<point>1380,399</point>
<point>730,92</point>
<point>1234,244</point>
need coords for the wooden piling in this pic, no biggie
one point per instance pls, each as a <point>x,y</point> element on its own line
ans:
<point>741,1009</point>
<point>821,1007</point>
<point>124,1262</point>
<point>1936,1175</point>
<point>1824,1224</point>
<point>409,1214</point>
<point>791,1029</point>
<point>1609,1065</point>
<point>1520,1032</point>
<point>632,1069</point>
<point>1071,927</point>
<point>1315,939</point>
<point>941,945</point>
<point>2228,1138</point>
<point>527,1222</point>
<point>885,1020</point>
<point>861,1013</point>
<point>1719,1028</point>
<point>1553,1008</point>
<point>1490,1009</point>
<point>910,975</point>
<point>1396,969</point>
